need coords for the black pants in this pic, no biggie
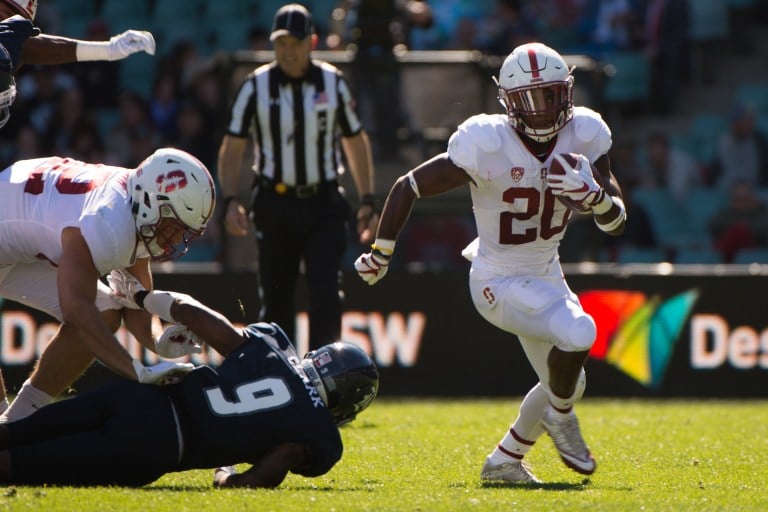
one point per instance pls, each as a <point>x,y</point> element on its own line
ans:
<point>289,230</point>
<point>120,434</point>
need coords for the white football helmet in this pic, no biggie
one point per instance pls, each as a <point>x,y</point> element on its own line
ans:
<point>172,197</point>
<point>536,89</point>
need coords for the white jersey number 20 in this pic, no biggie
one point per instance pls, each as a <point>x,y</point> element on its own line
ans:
<point>532,198</point>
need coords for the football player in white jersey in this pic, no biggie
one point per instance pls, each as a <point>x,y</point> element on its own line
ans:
<point>516,281</point>
<point>63,224</point>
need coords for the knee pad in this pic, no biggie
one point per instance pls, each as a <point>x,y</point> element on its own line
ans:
<point>582,333</point>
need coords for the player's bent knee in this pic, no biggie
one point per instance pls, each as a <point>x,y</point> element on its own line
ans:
<point>582,333</point>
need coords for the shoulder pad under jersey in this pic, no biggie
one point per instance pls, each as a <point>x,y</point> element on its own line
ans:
<point>589,127</point>
<point>478,134</point>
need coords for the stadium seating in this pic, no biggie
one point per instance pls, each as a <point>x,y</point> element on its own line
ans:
<point>755,255</point>
<point>176,9</point>
<point>640,255</point>
<point>708,20</point>
<point>670,219</point>
<point>181,30</point>
<point>134,75</point>
<point>629,79</point>
<point>702,135</point>
<point>82,9</point>
<point>229,37</point>
<point>700,255</point>
<point>125,14</point>
<point>738,4</point>
<point>701,205</point>
<point>754,95</point>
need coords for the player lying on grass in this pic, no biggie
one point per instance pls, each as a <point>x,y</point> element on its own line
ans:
<point>264,405</point>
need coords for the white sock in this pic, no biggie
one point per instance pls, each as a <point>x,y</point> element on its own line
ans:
<point>29,400</point>
<point>525,430</point>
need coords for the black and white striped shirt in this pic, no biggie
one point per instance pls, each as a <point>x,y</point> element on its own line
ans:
<point>295,122</point>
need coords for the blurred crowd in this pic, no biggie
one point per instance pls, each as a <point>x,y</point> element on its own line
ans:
<point>95,111</point>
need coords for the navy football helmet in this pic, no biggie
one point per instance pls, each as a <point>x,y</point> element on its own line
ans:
<point>7,86</point>
<point>345,376</point>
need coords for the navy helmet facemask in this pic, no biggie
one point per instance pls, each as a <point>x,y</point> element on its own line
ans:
<point>7,86</point>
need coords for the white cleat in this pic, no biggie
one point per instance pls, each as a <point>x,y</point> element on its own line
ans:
<point>565,433</point>
<point>515,472</point>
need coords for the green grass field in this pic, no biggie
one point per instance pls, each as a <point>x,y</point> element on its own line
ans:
<point>419,455</point>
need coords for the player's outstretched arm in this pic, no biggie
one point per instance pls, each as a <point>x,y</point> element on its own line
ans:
<point>433,177</point>
<point>210,325</point>
<point>48,49</point>
<point>269,471</point>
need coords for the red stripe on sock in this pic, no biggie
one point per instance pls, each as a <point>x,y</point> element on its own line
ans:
<point>509,453</point>
<point>520,439</point>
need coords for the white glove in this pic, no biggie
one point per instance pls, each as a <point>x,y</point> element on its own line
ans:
<point>130,42</point>
<point>177,341</point>
<point>221,473</point>
<point>578,183</point>
<point>124,286</point>
<point>372,266</point>
<point>162,373</point>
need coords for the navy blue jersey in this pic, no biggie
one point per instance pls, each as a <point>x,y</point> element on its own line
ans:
<point>126,433</point>
<point>258,398</point>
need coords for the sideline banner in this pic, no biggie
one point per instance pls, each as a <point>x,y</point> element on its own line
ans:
<point>658,335</point>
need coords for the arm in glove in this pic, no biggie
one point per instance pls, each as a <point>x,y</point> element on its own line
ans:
<point>118,47</point>
<point>372,266</point>
<point>578,183</point>
<point>177,341</point>
<point>130,42</point>
<point>124,286</point>
<point>161,373</point>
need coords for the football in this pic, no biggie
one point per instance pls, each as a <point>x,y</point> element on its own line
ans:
<point>557,169</point>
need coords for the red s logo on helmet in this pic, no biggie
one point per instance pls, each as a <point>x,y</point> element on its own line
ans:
<point>167,183</point>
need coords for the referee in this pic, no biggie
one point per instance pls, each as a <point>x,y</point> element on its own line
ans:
<point>297,110</point>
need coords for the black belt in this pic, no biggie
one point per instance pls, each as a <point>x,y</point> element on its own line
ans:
<point>297,191</point>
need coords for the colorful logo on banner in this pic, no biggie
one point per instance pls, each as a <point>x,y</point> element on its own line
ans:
<point>637,333</point>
